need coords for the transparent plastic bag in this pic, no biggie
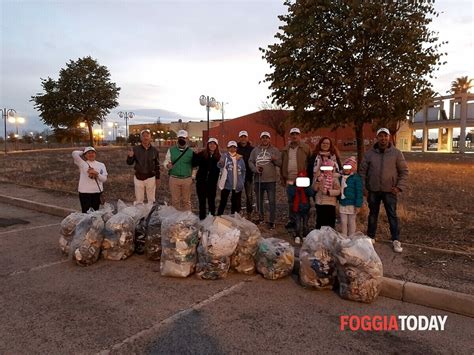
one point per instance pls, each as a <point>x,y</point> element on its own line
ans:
<point>218,236</point>
<point>210,267</point>
<point>243,258</point>
<point>179,238</point>
<point>153,234</point>
<point>118,241</point>
<point>275,258</point>
<point>67,228</point>
<point>318,260</point>
<point>359,269</point>
<point>88,236</point>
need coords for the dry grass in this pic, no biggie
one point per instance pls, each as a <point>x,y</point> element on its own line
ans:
<point>436,210</point>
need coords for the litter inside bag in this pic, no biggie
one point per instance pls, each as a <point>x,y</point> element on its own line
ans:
<point>153,234</point>
<point>318,260</point>
<point>359,269</point>
<point>218,236</point>
<point>87,240</point>
<point>66,231</point>
<point>179,237</point>
<point>118,241</point>
<point>210,267</point>
<point>243,258</point>
<point>275,258</point>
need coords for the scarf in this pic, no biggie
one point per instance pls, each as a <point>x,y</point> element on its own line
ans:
<point>344,185</point>
<point>300,196</point>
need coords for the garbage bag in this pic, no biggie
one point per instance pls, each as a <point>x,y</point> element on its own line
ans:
<point>179,238</point>
<point>140,236</point>
<point>87,240</point>
<point>275,258</point>
<point>317,258</point>
<point>359,269</point>
<point>66,231</point>
<point>153,237</point>
<point>107,211</point>
<point>210,267</point>
<point>118,237</point>
<point>243,258</point>
<point>218,236</point>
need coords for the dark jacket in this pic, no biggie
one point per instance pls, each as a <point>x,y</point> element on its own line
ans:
<point>147,162</point>
<point>208,171</point>
<point>382,170</point>
<point>245,153</point>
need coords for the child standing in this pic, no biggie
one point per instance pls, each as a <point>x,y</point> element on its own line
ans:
<point>351,196</point>
<point>327,187</point>
<point>300,200</point>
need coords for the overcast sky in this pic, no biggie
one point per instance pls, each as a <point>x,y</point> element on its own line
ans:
<point>165,54</point>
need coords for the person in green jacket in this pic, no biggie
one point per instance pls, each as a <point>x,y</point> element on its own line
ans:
<point>179,163</point>
<point>352,196</point>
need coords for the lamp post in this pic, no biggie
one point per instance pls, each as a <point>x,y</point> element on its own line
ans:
<point>220,106</point>
<point>6,112</point>
<point>114,126</point>
<point>126,115</point>
<point>208,102</point>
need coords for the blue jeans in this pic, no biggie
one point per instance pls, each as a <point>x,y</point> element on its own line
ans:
<point>270,188</point>
<point>390,203</point>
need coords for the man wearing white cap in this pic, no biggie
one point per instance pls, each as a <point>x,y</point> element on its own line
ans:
<point>294,159</point>
<point>92,175</point>
<point>147,168</point>
<point>179,163</point>
<point>244,148</point>
<point>264,161</point>
<point>384,172</point>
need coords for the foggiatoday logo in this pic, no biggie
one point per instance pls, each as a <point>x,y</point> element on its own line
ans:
<point>392,323</point>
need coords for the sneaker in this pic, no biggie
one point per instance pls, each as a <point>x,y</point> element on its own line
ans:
<point>271,226</point>
<point>298,240</point>
<point>397,246</point>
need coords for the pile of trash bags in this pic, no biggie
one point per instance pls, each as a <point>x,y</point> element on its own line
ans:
<point>275,258</point>
<point>329,259</point>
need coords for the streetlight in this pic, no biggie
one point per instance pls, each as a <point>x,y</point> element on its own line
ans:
<point>16,120</point>
<point>126,115</point>
<point>5,114</point>
<point>208,102</point>
<point>220,106</point>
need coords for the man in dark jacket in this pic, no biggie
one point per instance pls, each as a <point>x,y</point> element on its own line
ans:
<point>244,148</point>
<point>147,168</point>
<point>384,173</point>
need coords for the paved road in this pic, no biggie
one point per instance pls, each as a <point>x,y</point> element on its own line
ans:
<point>50,305</point>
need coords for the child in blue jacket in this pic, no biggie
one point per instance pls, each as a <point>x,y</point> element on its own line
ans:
<point>351,196</point>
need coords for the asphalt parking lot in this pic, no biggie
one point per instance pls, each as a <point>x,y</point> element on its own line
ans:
<point>50,305</point>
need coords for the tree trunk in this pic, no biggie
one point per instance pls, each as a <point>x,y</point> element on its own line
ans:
<point>359,131</point>
<point>91,134</point>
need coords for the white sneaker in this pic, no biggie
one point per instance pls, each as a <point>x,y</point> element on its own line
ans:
<point>298,240</point>
<point>372,240</point>
<point>397,246</point>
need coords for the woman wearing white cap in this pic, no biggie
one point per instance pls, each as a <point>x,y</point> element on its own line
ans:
<point>92,175</point>
<point>207,176</point>
<point>235,167</point>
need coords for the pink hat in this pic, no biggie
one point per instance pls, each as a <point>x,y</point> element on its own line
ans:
<point>352,162</point>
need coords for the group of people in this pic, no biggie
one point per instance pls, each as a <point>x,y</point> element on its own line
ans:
<point>256,170</point>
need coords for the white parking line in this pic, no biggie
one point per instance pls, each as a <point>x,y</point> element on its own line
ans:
<point>36,268</point>
<point>30,228</point>
<point>198,305</point>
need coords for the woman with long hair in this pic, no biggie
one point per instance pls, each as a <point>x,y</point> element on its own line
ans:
<point>324,150</point>
<point>207,176</point>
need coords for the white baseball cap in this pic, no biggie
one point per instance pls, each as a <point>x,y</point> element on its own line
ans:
<point>212,140</point>
<point>385,130</point>
<point>89,149</point>
<point>265,133</point>
<point>182,133</point>
<point>243,133</point>
<point>295,130</point>
<point>232,144</point>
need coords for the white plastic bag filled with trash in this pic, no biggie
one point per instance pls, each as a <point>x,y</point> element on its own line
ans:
<point>243,259</point>
<point>218,240</point>
<point>275,258</point>
<point>179,239</point>
<point>359,269</point>
<point>67,229</point>
<point>118,241</point>
<point>318,260</point>
<point>88,236</point>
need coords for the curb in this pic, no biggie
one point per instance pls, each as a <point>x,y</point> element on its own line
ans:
<point>428,296</point>
<point>404,291</point>
<point>446,251</point>
<point>37,206</point>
